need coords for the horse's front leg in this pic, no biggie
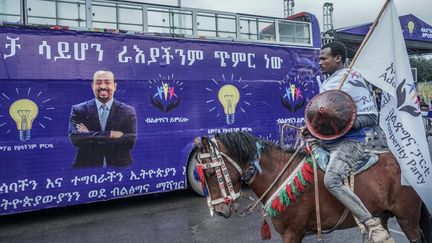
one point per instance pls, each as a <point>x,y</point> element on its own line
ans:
<point>290,231</point>
<point>292,236</point>
<point>294,222</point>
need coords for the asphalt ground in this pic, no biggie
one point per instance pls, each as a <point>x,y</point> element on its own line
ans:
<point>170,217</point>
<point>173,217</point>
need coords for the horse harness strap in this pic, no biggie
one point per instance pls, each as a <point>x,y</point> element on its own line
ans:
<point>217,164</point>
<point>289,178</point>
<point>233,163</point>
<point>310,144</point>
<point>222,174</point>
<point>350,184</point>
<point>345,212</point>
<point>250,173</point>
<point>361,226</point>
<point>249,209</point>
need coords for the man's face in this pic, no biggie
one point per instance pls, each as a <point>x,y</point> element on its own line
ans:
<point>104,86</point>
<point>329,63</point>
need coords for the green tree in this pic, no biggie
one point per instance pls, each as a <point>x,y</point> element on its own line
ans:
<point>424,68</point>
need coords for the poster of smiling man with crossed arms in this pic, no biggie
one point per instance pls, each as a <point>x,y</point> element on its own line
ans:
<point>103,129</point>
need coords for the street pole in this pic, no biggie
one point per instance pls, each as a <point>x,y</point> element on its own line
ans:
<point>180,17</point>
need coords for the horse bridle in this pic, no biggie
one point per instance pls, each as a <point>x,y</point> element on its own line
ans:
<point>228,195</point>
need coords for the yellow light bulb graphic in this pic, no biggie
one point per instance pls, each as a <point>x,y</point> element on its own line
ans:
<point>229,97</point>
<point>23,112</point>
<point>411,26</point>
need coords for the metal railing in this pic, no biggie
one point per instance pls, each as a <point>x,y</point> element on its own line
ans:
<point>135,17</point>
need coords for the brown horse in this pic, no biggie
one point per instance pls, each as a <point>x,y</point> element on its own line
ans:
<point>379,188</point>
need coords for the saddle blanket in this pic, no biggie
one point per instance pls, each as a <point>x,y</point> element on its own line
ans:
<point>368,160</point>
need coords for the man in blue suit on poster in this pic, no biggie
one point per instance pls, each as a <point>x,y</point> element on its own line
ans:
<point>103,129</point>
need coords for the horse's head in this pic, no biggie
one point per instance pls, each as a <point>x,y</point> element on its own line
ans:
<point>222,162</point>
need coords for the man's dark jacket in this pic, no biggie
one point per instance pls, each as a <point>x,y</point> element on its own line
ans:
<point>94,145</point>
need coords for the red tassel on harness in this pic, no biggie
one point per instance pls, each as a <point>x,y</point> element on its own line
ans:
<point>307,172</point>
<point>201,176</point>
<point>277,205</point>
<point>291,195</point>
<point>298,184</point>
<point>265,232</point>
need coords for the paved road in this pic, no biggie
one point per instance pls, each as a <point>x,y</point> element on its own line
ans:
<point>170,217</point>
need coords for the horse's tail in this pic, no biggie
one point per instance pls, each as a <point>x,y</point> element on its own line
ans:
<point>426,225</point>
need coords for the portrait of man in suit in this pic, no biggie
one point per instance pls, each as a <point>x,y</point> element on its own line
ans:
<point>103,129</point>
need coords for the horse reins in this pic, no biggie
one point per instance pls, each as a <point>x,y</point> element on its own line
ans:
<point>222,175</point>
<point>249,209</point>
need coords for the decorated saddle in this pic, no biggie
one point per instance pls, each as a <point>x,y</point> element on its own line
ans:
<point>367,161</point>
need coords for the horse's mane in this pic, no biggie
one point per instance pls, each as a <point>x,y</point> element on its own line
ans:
<point>242,146</point>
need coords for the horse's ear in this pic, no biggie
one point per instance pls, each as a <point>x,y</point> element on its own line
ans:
<point>206,143</point>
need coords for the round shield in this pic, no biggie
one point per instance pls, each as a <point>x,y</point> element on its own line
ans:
<point>330,115</point>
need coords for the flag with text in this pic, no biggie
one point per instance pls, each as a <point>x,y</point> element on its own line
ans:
<point>384,63</point>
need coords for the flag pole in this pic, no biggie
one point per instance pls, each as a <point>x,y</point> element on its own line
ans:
<point>371,30</point>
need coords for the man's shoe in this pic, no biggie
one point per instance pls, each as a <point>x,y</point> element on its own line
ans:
<point>377,233</point>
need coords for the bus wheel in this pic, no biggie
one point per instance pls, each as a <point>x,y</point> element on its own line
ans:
<point>193,184</point>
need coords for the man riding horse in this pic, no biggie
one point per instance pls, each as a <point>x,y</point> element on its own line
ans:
<point>345,151</point>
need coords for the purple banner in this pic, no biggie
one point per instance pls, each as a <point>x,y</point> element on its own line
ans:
<point>413,28</point>
<point>168,92</point>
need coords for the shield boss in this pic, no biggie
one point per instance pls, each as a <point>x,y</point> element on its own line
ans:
<point>330,115</point>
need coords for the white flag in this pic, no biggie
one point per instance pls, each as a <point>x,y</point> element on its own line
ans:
<point>384,63</point>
